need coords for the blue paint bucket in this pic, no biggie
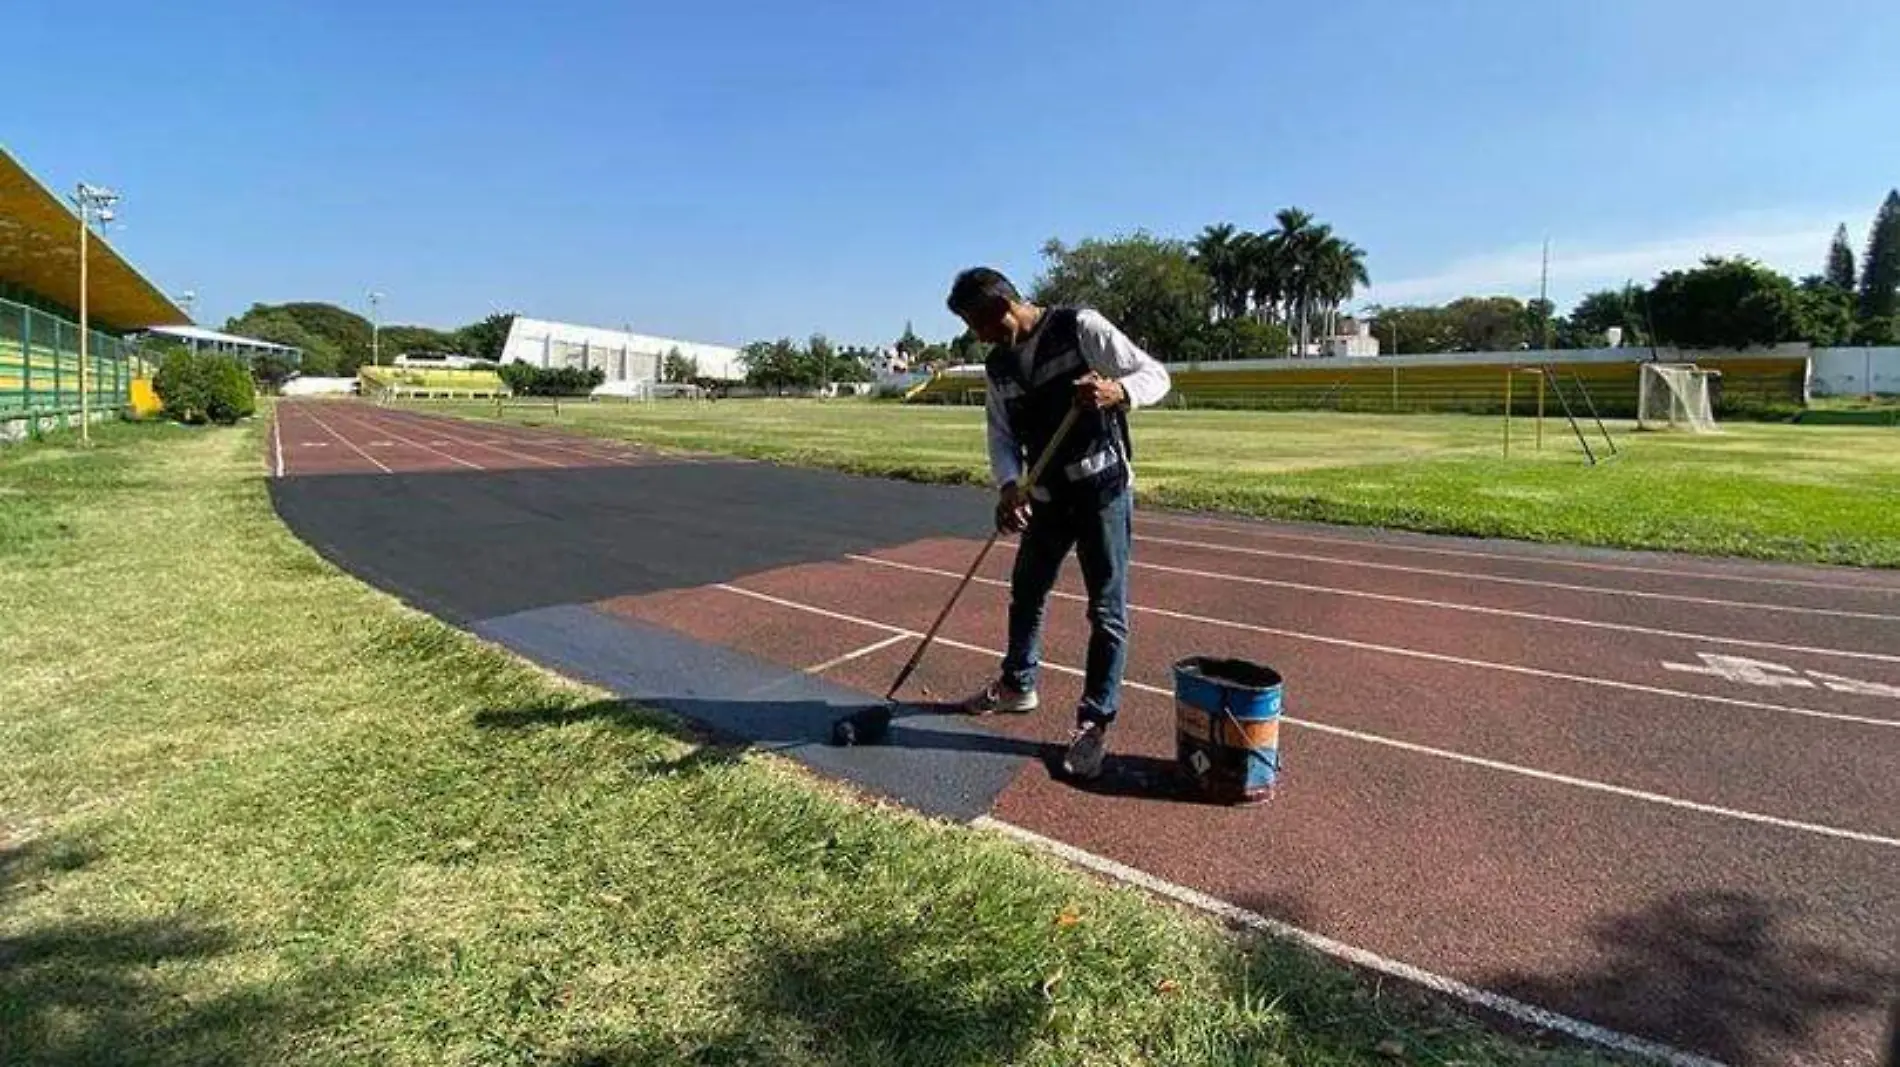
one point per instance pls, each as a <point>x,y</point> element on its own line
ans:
<point>1227,727</point>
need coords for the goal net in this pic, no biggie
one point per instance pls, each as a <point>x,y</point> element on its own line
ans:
<point>1674,396</point>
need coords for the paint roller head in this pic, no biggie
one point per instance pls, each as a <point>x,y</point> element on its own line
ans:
<point>863,726</point>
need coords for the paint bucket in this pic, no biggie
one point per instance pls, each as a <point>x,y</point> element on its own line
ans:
<point>1227,727</point>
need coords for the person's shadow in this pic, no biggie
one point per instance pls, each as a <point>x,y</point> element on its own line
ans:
<point>725,729</point>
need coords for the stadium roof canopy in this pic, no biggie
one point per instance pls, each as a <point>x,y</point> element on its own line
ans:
<point>202,335</point>
<point>39,252</point>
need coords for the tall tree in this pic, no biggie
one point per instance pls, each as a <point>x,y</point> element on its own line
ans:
<point>1826,312</point>
<point>1339,268</point>
<point>1488,323</point>
<point>823,357</point>
<point>487,338</point>
<point>1261,275</point>
<point>1295,240</point>
<point>1149,286</point>
<point>910,344</point>
<point>1725,303</point>
<point>1840,262</point>
<point>1880,267</point>
<point>1590,321</point>
<point>1218,252</point>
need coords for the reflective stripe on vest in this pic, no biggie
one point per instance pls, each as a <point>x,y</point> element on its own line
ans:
<point>1090,465</point>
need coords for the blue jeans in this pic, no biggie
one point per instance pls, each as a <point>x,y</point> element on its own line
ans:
<point>1102,538</point>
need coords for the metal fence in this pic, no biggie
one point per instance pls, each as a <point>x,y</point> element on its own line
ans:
<point>39,365</point>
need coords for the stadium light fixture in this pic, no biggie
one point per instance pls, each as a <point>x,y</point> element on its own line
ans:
<point>95,202</point>
<point>375,329</point>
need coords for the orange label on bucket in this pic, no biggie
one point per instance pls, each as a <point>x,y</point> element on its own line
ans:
<point>1196,724</point>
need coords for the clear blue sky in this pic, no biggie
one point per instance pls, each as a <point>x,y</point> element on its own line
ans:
<point>724,171</point>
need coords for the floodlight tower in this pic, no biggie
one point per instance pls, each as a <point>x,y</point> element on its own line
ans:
<point>375,329</point>
<point>95,202</point>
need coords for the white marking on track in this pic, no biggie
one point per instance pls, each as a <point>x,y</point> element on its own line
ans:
<point>1509,613</point>
<point>347,443</point>
<point>1467,553</point>
<point>451,457</point>
<point>1778,676</point>
<point>1517,1010</point>
<point>1750,605</point>
<point>432,423</point>
<point>1435,657</point>
<point>1743,671</point>
<point>1589,784</point>
<point>857,654</point>
<point>277,441</point>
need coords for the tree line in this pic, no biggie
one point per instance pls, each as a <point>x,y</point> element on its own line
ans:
<point>1723,302</point>
<point>1234,294</point>
<point>786,364</point>
<point>336,341</point>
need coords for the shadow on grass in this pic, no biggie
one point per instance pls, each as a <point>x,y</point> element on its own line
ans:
<point>88,991</point>
<point>875,993</point>
<point>1727,974</point>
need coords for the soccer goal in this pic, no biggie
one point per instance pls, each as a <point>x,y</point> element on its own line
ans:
<point>1674,396</point>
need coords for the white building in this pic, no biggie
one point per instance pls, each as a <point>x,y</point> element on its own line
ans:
<point>626,357</point>
<point>1353,339</point>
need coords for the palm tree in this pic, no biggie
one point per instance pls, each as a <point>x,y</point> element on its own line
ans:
<point>1339,268</point>
<point>1262,279</point>
<point>1217,251</point>
<point>1295,239</point>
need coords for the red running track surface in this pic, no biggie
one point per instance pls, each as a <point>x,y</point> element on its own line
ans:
<point>1660,794</point>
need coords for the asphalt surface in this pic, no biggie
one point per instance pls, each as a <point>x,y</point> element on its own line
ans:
<point>1654,793</point>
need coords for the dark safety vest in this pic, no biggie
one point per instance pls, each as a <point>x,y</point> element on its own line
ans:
<point>1090,466</point>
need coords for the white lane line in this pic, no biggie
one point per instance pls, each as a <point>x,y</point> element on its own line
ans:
<point>1751,605</point>
<point>277,441</point>
<point>351,445</point>
<point>365,424</point>
<point>1534,616</point>
<point>875,646</point>
<point>1413,653</point>
<point>1517,1010</point>
<point>1467,553</point>
<point>492,448</point>
<point>1390,742</point>
<point>520,440</point>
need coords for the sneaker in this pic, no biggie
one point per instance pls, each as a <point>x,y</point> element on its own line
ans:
<point>1088,746</point>
<point>999,697</point>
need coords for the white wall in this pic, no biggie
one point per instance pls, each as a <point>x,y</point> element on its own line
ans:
<point>624,356</point>
<point>1849,371</point>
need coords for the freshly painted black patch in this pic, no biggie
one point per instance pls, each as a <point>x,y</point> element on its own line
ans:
<point>472,545</point>
<point>941,764</point>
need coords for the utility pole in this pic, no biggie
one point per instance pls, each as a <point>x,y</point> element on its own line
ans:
<point>375,330</point>
<point>1543,299</point>
<point>93,202</point>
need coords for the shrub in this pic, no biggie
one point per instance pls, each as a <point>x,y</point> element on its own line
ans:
<point>526,380</point>
<point>198,388</point>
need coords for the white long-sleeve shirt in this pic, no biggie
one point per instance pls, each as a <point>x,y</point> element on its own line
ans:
<point>1109,353</point>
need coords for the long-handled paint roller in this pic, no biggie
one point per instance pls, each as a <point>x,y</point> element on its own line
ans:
<point>870,724</point>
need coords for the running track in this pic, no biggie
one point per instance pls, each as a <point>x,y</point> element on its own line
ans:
<point>1658,795</point>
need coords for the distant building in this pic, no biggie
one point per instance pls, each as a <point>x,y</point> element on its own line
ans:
<point>449,360</point>
<point>624,356</point>
<point>1354,338</point>
<point>888,363</point>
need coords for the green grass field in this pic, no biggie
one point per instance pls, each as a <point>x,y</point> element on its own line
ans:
<point>255,812</point>
<point>1773,491</point>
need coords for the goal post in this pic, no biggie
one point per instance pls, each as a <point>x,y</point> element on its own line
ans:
<point>1674,396</point>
